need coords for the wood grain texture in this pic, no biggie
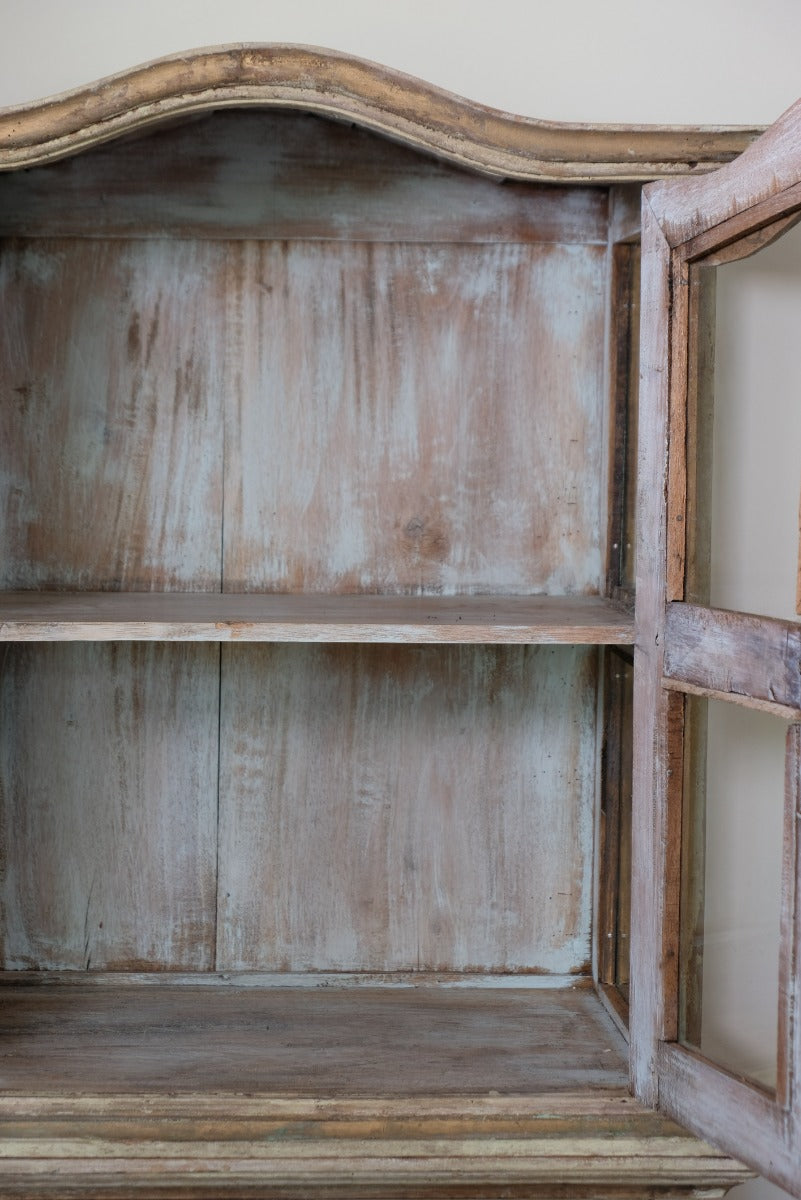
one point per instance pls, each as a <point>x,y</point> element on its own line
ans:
<point>110,423</point>
<point>613,906</point>
<point>676,498</point>
<point>108,777</point>
<point>788,1066</point>
<point>318,1043</point>
<point>751,243</point>
<point>728,653</point>
<point>693,874</point>
<point>649,822</point>
<point>745,1119</point>
<point>283,176</point>
<point>177,616</point>
<point>352,89</point>
<point>790,960</point>
<point>736,235</point>
<point>700,404</point>
<point>221,1091</point>
<point>767,171</point>
<point>424,1149</point>
<point>461,842</point>
<point>624,325</point>
<point>625,225</point>
<point>391,430</point>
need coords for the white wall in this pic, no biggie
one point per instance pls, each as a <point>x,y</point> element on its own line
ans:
<point>686,61</point>
<point>712,61</point>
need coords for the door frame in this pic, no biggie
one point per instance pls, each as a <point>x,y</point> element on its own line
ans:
<point>685,648</point>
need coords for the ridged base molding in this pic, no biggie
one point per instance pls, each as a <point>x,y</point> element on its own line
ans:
<point>601,1146</point>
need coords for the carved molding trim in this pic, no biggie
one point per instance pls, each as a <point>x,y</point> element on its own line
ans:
<point>351,89</point>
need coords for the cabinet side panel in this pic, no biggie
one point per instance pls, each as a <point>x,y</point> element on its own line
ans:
<point>401,808</point>
<point>108,776</point>
<point>110,433</point>
<point>414,418</point>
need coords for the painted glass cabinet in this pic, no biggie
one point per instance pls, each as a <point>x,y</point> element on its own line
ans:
<point>325,670</point>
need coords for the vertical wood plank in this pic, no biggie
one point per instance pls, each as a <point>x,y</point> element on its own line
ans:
<point>613,918</point>
<point>409,418</point>
<point>689,524</point>
<point>693,871</point>
<point>788,1079</point>
<point>700,428</point>
<point>649,825</point>
<point>108,776</point>
<point>672,756</point>
<point>110,424</point>
<point>623,930</point>
<point>676,500</point>
<point>396,808</point>
<point>624,361</point>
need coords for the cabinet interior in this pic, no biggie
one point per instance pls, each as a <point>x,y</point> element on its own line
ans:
<point>315,466</point>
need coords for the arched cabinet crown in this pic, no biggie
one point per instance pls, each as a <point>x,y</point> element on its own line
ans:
<point>374,97</point>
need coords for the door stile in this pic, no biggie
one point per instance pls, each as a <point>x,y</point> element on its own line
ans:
<point>789,1065</point>
<point>649,817</point>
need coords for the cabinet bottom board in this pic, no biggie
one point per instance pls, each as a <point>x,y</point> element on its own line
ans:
<point>322,1042</point>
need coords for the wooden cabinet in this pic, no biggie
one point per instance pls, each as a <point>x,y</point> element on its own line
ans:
<point>318,614</point>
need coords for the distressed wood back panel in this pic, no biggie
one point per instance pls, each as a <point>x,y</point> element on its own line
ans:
<point>274,368</point>
<point>407,418</point>
<point>108,776</point>
<point>282,175</point>
<point>402,808</point>
<point>399,418</point>
<point>110,415</point>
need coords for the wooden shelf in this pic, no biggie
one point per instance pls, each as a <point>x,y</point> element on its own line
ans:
<point>211,616</point>
<point>219,1090</point>
<point>325,1041</point>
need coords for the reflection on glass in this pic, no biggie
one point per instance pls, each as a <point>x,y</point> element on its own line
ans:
<point>731,887</point>
<point>751,496</point>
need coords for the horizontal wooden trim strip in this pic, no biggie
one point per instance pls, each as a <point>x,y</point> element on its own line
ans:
<point>782,711</point>
<point>284,176</point>
<point>211,616</point>
<point>351,89</point>
<point>419,1175</point>
<point>734,654</point>
<point>520,981</point>
<point>737,1117</point>
<point>602,1142</point>
<point>614,1107</point>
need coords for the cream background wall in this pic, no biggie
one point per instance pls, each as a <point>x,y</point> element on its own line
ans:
<point>716,61</point>
<point>689,61</point>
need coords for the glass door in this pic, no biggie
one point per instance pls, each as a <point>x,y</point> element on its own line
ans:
<point>716,887</point>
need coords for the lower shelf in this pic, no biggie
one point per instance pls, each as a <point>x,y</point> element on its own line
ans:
<point>181,1090</point>
<point>316,1042</point>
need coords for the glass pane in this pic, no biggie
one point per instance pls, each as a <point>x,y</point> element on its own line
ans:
<point>731,886</point>
<point>748,353</point>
